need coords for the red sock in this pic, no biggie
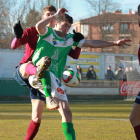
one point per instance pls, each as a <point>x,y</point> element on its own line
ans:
<point>32,130</point>
<point>30,69</point>
<point>137,131</point>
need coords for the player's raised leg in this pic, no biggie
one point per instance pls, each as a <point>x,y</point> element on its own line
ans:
<point>42,65</point>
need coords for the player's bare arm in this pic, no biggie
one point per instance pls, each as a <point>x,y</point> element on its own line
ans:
<point>102,44</point>
<point>41,25</point>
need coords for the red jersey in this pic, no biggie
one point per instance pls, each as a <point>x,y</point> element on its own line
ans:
<point>30,38</point>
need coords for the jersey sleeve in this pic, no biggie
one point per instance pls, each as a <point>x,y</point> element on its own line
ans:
<point>47,33</point>
<point>75,53</point>
<point>26,36</point>
<point>79,44</point>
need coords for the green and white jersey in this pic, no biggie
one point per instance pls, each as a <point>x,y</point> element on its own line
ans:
<point>56,48</point>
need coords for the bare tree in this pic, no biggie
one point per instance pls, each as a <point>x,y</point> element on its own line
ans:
<point>102,22</point>
<point>11,12</point>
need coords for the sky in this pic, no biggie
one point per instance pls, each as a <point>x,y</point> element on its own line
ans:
<point>81,11</point>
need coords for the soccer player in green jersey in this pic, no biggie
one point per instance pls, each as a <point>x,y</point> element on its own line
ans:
<point>56,43</point>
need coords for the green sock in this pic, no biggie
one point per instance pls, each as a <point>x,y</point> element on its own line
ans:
<point>46,82</point>
<point>68,130</point>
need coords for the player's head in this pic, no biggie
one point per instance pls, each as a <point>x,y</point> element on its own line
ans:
<point>48,11</point>
<point>63,24</point>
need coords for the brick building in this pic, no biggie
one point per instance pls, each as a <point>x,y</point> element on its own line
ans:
<point>109,27</point>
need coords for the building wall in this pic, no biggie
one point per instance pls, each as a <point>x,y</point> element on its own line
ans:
<point>94,34</point>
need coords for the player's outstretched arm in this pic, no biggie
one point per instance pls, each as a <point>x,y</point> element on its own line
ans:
<point>41,25</point>
<point>102,44</point>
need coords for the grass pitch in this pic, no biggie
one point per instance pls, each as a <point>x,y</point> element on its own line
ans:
<point>102,120</point>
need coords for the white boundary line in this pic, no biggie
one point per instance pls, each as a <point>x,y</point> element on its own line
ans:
<point>85,118</point>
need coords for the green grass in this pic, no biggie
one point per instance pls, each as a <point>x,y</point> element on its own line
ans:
<point>92,121</point>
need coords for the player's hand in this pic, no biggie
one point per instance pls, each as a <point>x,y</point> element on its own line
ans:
<point>123,42</point>
<point>61,11</point>
<point>77,36</point>
<point>18,30</point>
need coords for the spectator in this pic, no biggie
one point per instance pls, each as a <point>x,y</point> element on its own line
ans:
<point>131,68</point>
<point>80,70</point>
<point>66,67</point>
<point>91,74</point>
<point>119,74</point>
<point>109,75</point>
<point>125,74</point>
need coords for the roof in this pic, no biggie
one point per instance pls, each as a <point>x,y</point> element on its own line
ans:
<point>111,17</point>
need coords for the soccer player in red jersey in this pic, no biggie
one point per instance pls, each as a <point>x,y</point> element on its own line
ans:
<point>135,114</point>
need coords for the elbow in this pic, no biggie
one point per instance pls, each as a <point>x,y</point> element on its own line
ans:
<point>75,56</point>
<point>15,43</point>
<point>37,26</point>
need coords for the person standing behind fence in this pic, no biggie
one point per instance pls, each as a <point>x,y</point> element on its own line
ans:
<point>80,70</point>
<point>119,74</point>
<point>91,74</point>
<point>126,75</point>
<point>109,75</point>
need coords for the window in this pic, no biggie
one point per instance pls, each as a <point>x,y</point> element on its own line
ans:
<point>84,29</point>
<point>123,26</point>
<point>108,28</point>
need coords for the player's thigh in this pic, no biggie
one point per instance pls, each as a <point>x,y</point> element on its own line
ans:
<point>22,70</point>
<point>135,115</point>
<point>64,110</point>
<point>37,109</point>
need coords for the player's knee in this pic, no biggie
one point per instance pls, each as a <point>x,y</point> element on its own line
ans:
<point>68,114</point>
<point>22,70</point>
<point>131,118</point>
<point>36,119</point>
<point>134,120</point>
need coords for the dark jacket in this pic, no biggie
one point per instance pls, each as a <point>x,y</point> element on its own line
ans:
<point>109,75</point>
<point>119,75</point>
<point>91,74</point>
<point>80,70</point>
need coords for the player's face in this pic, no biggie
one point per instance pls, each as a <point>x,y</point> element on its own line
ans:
<point>63,27</point>
<point>47,14</point>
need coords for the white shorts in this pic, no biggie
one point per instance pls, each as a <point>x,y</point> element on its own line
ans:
<point>57,90</point>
